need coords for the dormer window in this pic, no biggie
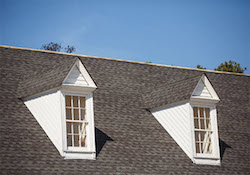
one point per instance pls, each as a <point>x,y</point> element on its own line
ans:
<point>76,121</point>
<point>191,121</point>
<point>66,113</point>
<point>202,130</point>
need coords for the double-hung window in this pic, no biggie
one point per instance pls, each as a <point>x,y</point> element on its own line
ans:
<point>76,121</point>
<point>202,130</point>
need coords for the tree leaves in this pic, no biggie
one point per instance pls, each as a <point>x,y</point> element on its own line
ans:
<point>57,47</point>
<point>230,66</point>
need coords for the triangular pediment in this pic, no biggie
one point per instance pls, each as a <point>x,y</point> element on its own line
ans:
<point>78,76</point>
<point>75,77</point>
<point>201,90</point>
<point>204,89</point>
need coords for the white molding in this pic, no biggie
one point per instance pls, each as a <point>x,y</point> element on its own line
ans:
<point>67,87</point>
<point>204,100</point>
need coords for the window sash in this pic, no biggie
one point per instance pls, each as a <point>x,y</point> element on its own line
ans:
<point>202,130</point>
<point>76,121</point>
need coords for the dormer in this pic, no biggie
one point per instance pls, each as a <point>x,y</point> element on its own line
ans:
<point>64,108</point>
<point>187,111</point>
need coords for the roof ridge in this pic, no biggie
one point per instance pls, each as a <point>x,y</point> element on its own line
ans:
<point>128,61</point>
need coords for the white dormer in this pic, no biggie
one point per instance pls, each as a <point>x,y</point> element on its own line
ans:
<point>66,114</point>
<point>193,125</point>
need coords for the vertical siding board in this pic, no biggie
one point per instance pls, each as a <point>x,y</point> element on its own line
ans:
<point>171,129</point>
<point>175,120</point>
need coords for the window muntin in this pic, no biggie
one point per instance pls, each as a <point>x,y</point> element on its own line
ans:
<point>76,121</point>
<point>202,130</point>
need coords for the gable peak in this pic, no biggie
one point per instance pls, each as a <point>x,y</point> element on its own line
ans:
<point>204,89</point>
<point>79,76</point>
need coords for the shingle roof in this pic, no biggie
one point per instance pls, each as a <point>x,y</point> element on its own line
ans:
<point>44,79</point>
<point>167,93</point>
<point>129,139</point>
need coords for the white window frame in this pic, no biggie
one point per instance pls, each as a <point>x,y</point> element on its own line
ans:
<point>90,139</point>
<point>214,128</point>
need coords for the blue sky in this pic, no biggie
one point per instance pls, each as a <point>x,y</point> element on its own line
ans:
<point>171,32</point>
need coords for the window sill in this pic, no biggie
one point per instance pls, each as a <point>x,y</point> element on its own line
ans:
<point>207,161</point>
<point>206,156</point>
<point>79,155</point>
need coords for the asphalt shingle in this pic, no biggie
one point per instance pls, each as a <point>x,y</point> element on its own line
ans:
<point>129,139</point>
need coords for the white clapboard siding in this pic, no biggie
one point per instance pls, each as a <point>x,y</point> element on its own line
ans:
<point>201,90</point>
<point>75,77</point>
<point>47,111</point>
<point>176,121</point>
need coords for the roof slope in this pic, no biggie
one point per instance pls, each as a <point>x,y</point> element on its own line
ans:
<point>44,79</point>
<point>168,93</point>
<point>129,139</point>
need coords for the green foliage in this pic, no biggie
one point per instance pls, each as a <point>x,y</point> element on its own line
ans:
<point>200,67</point>
<point>230,66</point>
<point>148,62</point>
<point>57,47</point>
<point>70,49</point>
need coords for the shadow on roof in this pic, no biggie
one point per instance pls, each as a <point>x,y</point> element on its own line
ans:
<point>101,139</point>
<point>223,147</point>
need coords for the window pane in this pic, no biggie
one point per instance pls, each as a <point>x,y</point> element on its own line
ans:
<point>69,140</point>
<point>76,114</point>
<point>208,124</point>
<point>82,102</point>
<point>69,127</point>
<point>76,128</point>
<point>197,136</point>
<point>75,101</point>
<point>195,112</point>
<point>82,114</point>
<point>201,112</point>
<point>202,121</point>
<point>68,100</point>
<point>197,146</point>
<point>76,140</point>
<point>207,110</point>
<point>68,114</point>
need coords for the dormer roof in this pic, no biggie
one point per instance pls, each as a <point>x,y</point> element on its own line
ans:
<point>168,93</point>
<point>69,72</point>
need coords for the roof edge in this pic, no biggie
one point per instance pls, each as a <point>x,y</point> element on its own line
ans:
<point>128,61</point>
